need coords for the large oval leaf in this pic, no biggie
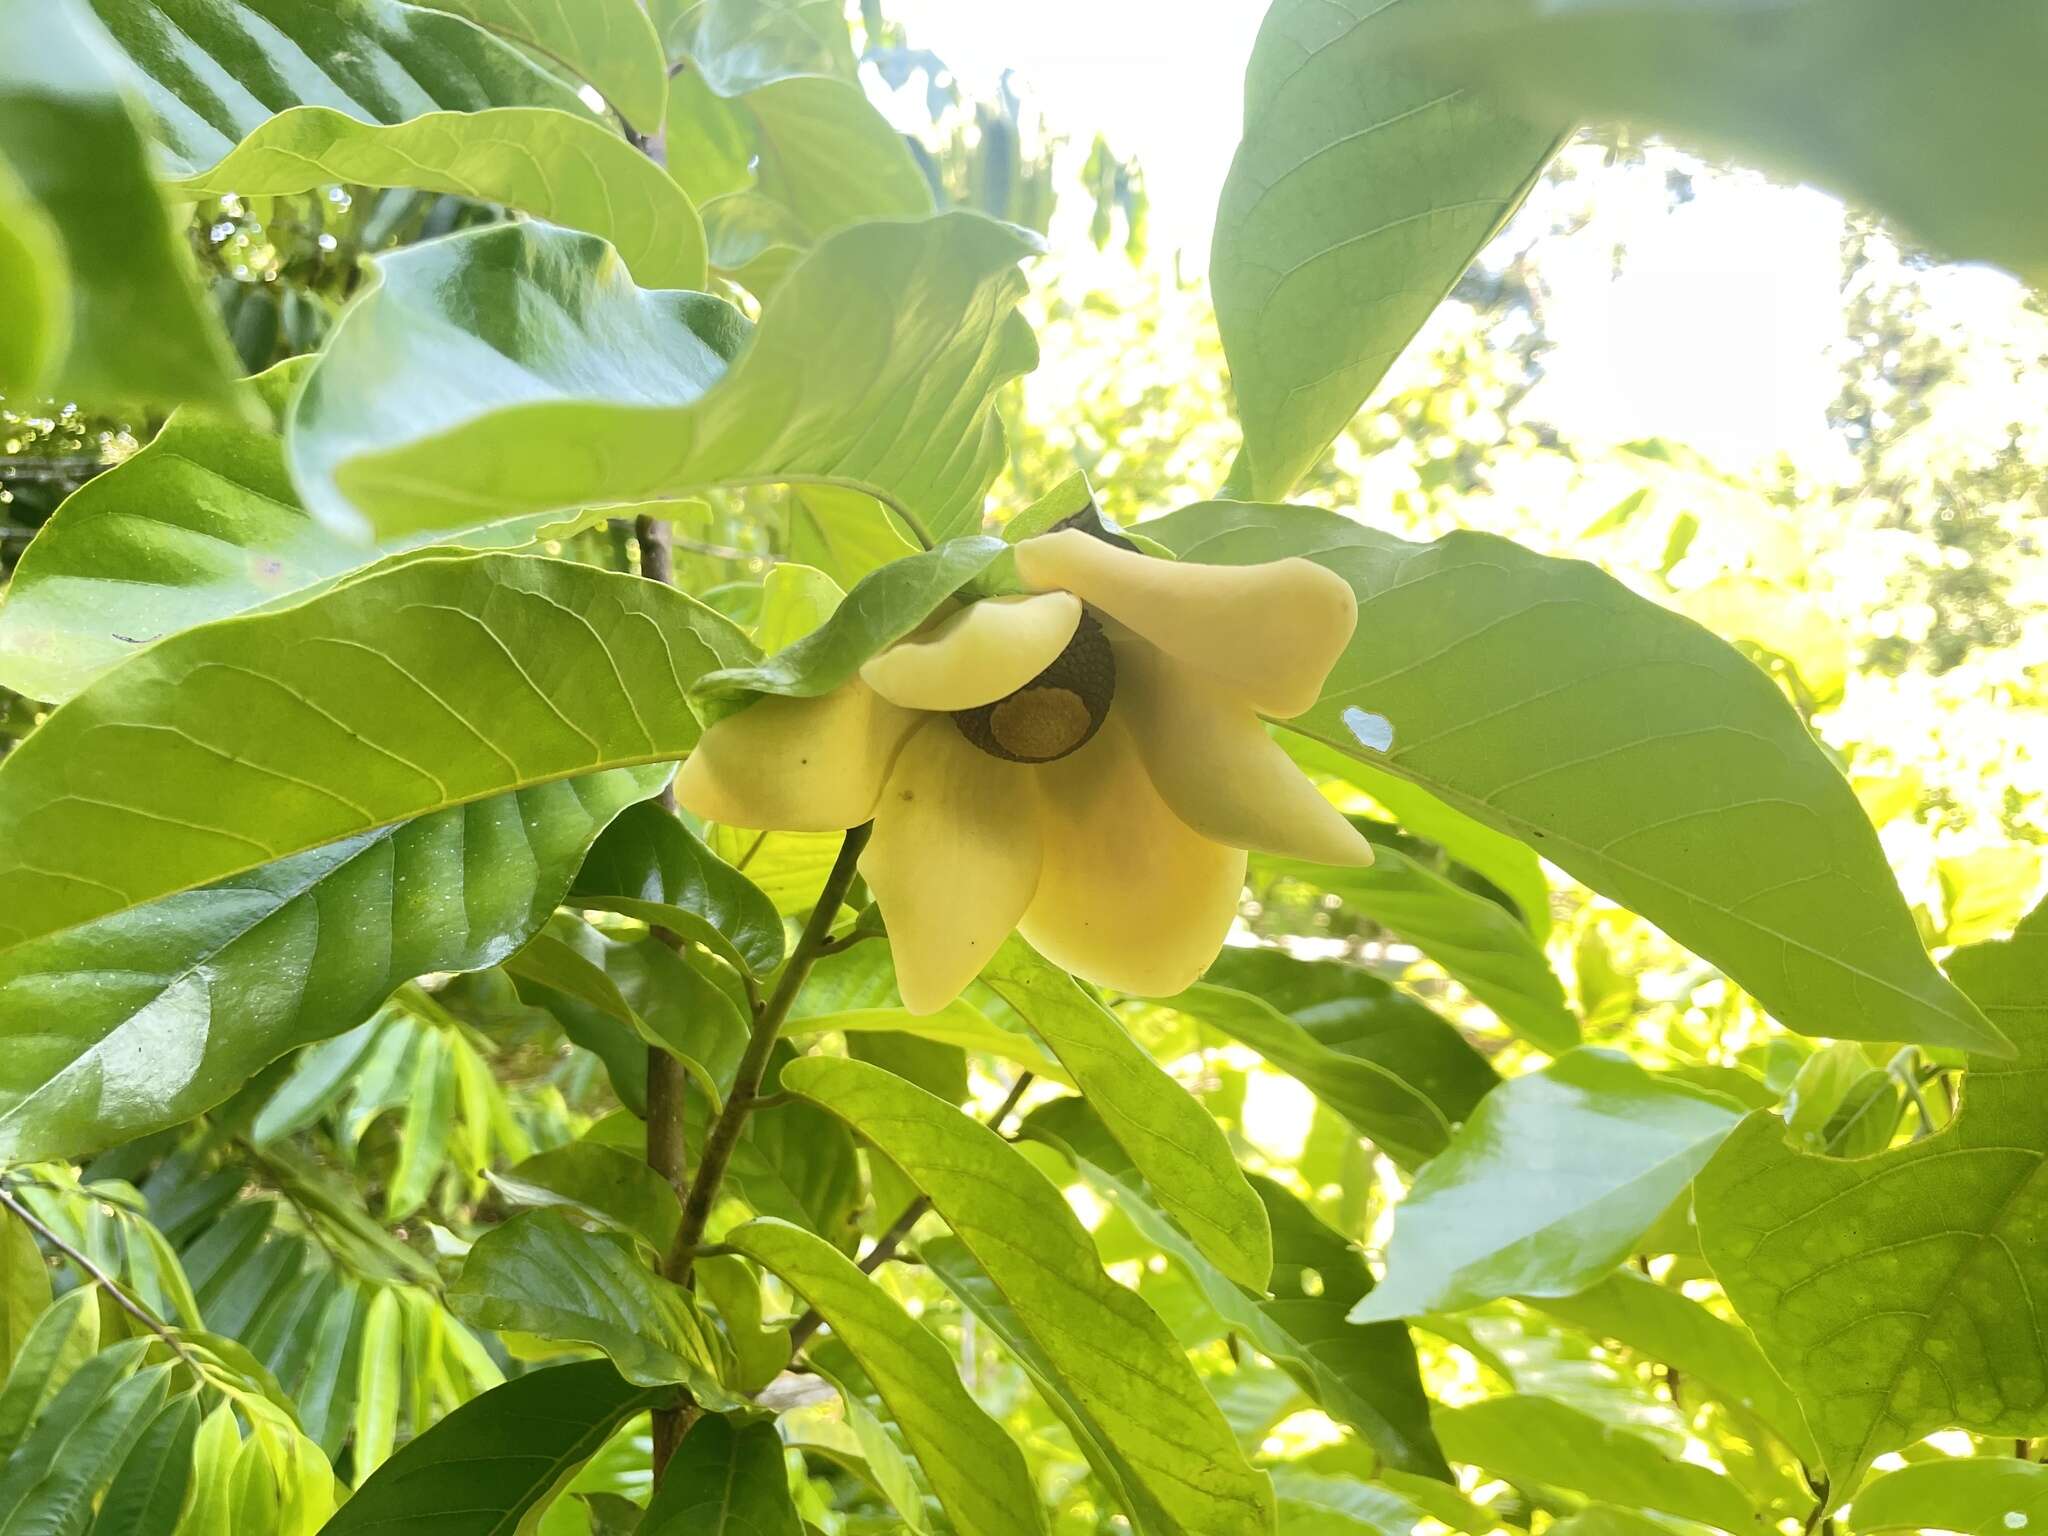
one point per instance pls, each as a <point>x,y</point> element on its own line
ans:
<point>727,1475</point>
<point>1625,743</point>
<point>142,1019</point>
<point>1359,195</point>
<point>516,370</point>
<point>610,43</point>
<point>972,1463</point>
<point>433,684</point>
<point>1102,1340</point>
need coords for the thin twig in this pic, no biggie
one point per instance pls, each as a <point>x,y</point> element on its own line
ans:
<point>127,1303</point>
<point>887,1244</point>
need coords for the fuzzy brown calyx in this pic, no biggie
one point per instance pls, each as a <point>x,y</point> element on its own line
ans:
<point>1057,712</point>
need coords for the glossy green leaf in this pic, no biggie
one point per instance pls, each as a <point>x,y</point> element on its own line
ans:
<point>761,1350</point>
<point>24,1286</point>
<point>1738,80</point>
<point>1478,943</point>
<point>1361,191</point>
<point>1319,1505</point>
<point>98,298</point>
<point>1885,1289</point>
<point>882,608</point>
<point>650,866</point>
<point>1627,745</point>
<point>142,1019</point>
<point>256,738</point>
<point>1540,1440</point>
<point>610,43</point>
<point>200,524</point>
<point>1547,1186</point>
<point>484,1467</point>
<point>556,166</point>
<point>875,367</point>
<point>1349,1009</point>
<point>1393,1114</point>
<point>1718,1357</point>
<point>1977,1496</point>
<point>973,1465</point>
<point>1175,1144</point>
<point>377,1383</point>
<point>540,1274</point>
<point>602,1181</point>
<point>727,1475</point>
<point>959,1024</point>
<point>147,1495</point>
<point>1365,1378</point>
<point>73,1453</point>
<point>1103,1342</point>
<point>60,1341</point>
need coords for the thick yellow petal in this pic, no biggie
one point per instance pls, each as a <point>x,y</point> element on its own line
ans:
<point>953,861</point>
<point>1130,897</point>
<point>1271,631</point>
<point>796,765</point>
<point>1218,770</point>
<point>985,652</point>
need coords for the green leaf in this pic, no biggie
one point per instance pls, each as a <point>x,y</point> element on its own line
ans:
<point>377,1383</point>
<point>1663,1323</point>
<point>1361,191</point>
<point>1354,1012</point>
<point>1478,943</point>
<point>974,1466</point>
<point>545,162</point>
<point>882,608</point>
<point>1163,1128</point>
<point>1362,1377</point>
<point>1396,1116</point>
<point>760,1350</point>
<point>1885,1289</point>
<point>256,738</point>
<point>1621,741</point>
<point>1102,1340</point>
<point>1539,1440</point>
<point>497,1457</point>
<point>1312,1504</point>
<point>148,1493</point>
<point>610,43</point>
<point>61,1340</point>
<point>602,1181</point>
<point>1731,78</point>
<point>539,1274</point>
<point>1547,1186</point>
<point>24,1286</point>
<point>200,524</point>
<point>1980,1496</point>
<point>727,1475</point>
<point>515,369</point>
<point>98,300</point>
<point>74,1453</point>
<point>843,533</point>
<point>959,1024</point>
<point>146,1017</point>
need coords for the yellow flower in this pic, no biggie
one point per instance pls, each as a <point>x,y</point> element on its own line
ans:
<point>1084,763</point>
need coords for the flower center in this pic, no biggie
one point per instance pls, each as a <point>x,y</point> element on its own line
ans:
<point>1057,711</point>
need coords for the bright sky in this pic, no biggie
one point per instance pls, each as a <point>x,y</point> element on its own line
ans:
<point>1715,332</point>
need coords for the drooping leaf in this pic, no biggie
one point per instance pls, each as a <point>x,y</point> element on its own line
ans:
<point>515,369</point>
<point>650,866</point>
<point>1482,946</point>
<point>433,684</point>
<point>60,1341</point>
<point>540,1274</point>
<point>74,1453</point>
<point>760,1349</point>
<point>147,1494</point>
<point>143,1018</point>
<point>1548,1184</point>
<point>24,1287</point>
<point>1738,80</point>
<point>1103,1342</point>
<point>484,1467</point>
<point>556,166</point>
<point>1160,1126</point>
<point>1360,192</point>
<point>1396,1116</point>
<point>1540,1440</point>
<point>1886,1289</point>
<point>973,1465</point>
<point>610,43</point>
<point>1362,1377</point>
<point>727,1475</point>
<point>378,1382</point>
<point>98,299</point>
<point>1661,1322</point>
<point>1977,1496</point>
<point>1627,745</point>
